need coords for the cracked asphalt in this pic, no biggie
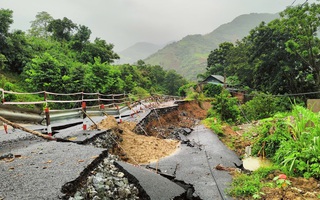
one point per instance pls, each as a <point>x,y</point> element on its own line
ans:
<point>190,164</point>
<point>43,167</point>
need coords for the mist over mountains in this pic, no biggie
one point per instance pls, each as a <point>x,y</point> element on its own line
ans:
<point>188,56</point>
<point>140,50</point>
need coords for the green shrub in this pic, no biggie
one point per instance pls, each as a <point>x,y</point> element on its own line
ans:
<point>10,87</point>
<point>265,105</point>
<point>226,107</point>
<point>292,141</point>
<point>140,93</point>
<point>210,90</point>
<point>299,155</point>
<point>271,132</point>
<point>187,89</point>
<point>244,185</point>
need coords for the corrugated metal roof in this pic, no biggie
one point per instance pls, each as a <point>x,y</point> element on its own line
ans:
<point>218,77</point>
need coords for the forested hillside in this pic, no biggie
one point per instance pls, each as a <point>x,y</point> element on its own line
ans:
<point>189,55</point>
<point>57,55</point>
<point>280,57</point>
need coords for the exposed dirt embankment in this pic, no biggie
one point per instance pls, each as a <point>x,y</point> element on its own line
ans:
<point>186,116</point>
<point>141,149</point>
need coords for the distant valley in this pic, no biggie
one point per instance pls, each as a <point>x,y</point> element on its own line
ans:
<point>138,51</point>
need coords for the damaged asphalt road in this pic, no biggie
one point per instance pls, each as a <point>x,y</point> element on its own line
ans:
<point>190,164</point>
<point>190,169</point>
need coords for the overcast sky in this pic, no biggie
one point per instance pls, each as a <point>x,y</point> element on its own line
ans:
<point>125,22</point>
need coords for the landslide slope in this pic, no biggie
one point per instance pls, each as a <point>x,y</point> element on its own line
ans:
<point>189,55</point>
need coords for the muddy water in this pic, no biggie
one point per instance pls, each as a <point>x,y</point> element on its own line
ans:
<point>253,163</point>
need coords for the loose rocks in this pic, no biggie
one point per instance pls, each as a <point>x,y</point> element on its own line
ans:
<point>107,182</point>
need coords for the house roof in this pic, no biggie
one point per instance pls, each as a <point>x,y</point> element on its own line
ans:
<point>219,78</point>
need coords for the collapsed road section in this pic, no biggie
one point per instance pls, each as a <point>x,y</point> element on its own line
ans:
<point>82,165</point>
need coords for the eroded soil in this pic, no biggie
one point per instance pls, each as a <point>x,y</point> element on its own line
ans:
<point>142,149</point>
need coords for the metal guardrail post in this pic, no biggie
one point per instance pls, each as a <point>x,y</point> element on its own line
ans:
<point>49,130</point>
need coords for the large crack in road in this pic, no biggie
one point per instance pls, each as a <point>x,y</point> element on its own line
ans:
<point>82,168</point>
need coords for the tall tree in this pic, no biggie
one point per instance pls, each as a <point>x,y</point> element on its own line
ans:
<point>173,82</point>
<point>61,30</point>
<point>99,49</point>
<point>17,51</point>
<point>39,27</point>
<point>5,21</point>
<point>81,38</point>
<point>45,73</point>
<point>217,60</point>
<point>303,22</point>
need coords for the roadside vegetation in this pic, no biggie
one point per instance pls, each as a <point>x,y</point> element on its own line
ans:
<point>57,55</point>
<point>278,60</point>
<point>276,66</point>
<point>283,132</point>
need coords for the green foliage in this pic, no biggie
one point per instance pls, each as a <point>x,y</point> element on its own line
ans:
<point>292,141</point>
<point>214,122</point>
<point>188,55</point>
<point>265,105</point>
<point>281,181</point>
<point>173,81</point>
<point>3,60</point>
<point>272,132</point>
<point>98,49</point>
<point>244,185</point>
<point>39,26</point>
<point>278,57</point>
<point>17,51</point>
<point>187,89</point>
<point>217,60</point>
<point>140,93</point>
<point>61,29</point>
<point>226,107</point>
<point>299,155</point>
<point>103,77</point>
<point>5,20</point>
<point>210,90</point>
<point>44,73</point>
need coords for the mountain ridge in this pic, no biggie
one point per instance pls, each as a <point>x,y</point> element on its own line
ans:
<point>188,56</point>
<point>139,50</point>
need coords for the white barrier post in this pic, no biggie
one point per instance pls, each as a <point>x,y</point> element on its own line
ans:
<point>120,119</point>
<point>49,130</point>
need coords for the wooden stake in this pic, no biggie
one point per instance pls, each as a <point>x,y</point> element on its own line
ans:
<point>14,125</point>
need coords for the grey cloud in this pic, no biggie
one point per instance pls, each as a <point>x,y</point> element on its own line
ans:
<point>125,22</point>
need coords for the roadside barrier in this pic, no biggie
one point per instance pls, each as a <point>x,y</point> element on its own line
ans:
<point>49,130</point>
<point>83,105</point>
<point>5,127</point>
<point>84,116</point>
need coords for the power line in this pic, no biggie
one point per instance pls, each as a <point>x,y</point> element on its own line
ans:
<point>285,95</point>
<point>293,3</point>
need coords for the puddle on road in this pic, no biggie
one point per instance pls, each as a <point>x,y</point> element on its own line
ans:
<point>253,163</point>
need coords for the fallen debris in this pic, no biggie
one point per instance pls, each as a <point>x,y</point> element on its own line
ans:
<point>14,125</point>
